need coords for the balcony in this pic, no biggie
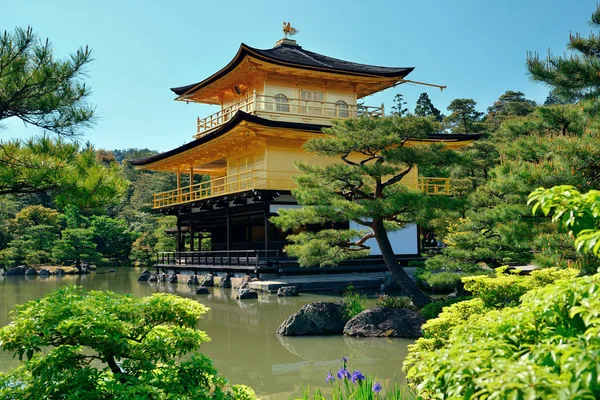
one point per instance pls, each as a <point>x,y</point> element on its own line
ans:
<point>308,111</point>
<point>263,180</point>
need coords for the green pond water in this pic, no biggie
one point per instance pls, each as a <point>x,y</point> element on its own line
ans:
<point>244,346</point>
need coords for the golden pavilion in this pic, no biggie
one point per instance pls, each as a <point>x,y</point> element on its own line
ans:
<point>270,102</point>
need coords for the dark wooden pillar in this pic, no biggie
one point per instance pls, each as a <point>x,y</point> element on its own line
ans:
<point>267,225</point>
<point>178,245</point>
<point>228,227</point>
<point>191,234</point>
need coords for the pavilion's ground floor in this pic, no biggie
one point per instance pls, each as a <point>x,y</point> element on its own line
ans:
<point>242,239</point>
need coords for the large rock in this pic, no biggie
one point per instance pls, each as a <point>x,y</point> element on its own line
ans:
<point>202,290</point>
<point>31,272</point>
<point>44,272</point>
<point>287,291</point>
<point>225,281</point>
<point>20,270</point>
<point>318,318</point>
<point>389,283</point>
<point>153,278</point>
<point>244,294</point>
<point>59,272</point>
<point>145,276</point>
<point>385,322</point>
<point>193,280</point>
<point>172,278</point>
<point>208,281</point>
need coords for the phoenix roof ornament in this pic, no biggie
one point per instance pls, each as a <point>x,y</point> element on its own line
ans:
<point>289,30</point>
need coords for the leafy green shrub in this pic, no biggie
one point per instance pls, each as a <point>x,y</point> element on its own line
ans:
<point>505,289</point>
<point>137,344</point>
<point>546,347</point>
<point>395,302</point>
<point>439,282</point>
<point>354,302</point>
<point>432,310</point>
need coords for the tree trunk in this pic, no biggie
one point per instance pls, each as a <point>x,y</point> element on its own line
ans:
<point>407,285</point>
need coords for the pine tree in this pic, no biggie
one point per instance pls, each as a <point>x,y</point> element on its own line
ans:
<point>399,108</point>
<point>574,76</point>
<point>464,117</point>
<point>425,108</point>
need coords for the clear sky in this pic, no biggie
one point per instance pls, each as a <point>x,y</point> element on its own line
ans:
<point>142,48</point>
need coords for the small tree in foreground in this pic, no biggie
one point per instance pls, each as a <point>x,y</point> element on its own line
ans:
<point>366,188</point>
<point>103,345</point>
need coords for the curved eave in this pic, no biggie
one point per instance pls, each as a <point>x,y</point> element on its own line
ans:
<point>246,50</point>
<point>240,117</point>
<point>237,119</point>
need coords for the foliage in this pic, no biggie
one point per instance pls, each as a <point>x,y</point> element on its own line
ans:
<point>75,246</point>
<point>433,310</point>
<point>439,281</point>
<point>137,344</point>
<point>463,118</point>
<point>575,76</point>
<point>505,288</point>
<point>546,347</point>
<point>354,302</point>
<point>364,187</point>
<point>388,301</point>
<point>399,108</point>
<point>578,213</point>
<point>112,237</point>
<point>425,108</point>
<point>39,89</point>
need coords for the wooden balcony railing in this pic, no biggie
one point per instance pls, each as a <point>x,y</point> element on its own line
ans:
<point>240,182</point>
<point>266,180</point>
<point>323,110</point>
<point>435,186</point>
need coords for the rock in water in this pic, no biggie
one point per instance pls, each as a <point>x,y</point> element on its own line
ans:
<point>20,270</point>
<point>209,280</point>
<point>202,290</point>
<point>389,283</point>
<point>385,322</point>
<point>153,278</point>
<point>44,272</point>
<point>287,291</point>
<point>244,294</point>
<point>145,276</point>
<point>30,272</point>
<point>59,272</point>
<point>225,281</point>
<point>193,280</point>
<point>172,278</point>
<point>318,318</point>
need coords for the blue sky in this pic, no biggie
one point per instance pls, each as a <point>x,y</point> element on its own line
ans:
<point>142,48</point>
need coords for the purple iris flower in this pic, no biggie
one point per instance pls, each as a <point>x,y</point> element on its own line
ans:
<point>377,387</point>
<point>329,378</point>
<point>357,376</point>
<point>345,359</point>
<point>343,374</point>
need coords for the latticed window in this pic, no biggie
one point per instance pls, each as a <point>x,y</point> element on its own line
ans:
<point>314,100</point>
<point>341,109</point>
<point>282,103</point>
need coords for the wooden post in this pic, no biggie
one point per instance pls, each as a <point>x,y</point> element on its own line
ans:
<point>178,244</point>
<point>191,233</point>
<point>382,110</point>
<point>267,225</point>
<point>254,99</point>
<point>178,186</point>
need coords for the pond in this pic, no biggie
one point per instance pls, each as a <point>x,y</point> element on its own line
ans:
<point>244,346</point>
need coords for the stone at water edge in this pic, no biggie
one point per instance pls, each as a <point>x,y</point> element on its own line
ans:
<point>385,322</point>
<point>59,272</point>
<point>389,283</point>
<point>225,281</point>
<point>209,280</point>
<point>202,290</point>
<point>193,280</point>
<point>287,291</point>
<point>318,318</point>
<point>172,278</point>
<point>44,272</point>
<point>16,271</point>
<point>153,278</point>
<point>145,276</point>
<point>244,294</point>
<point>30,272</point>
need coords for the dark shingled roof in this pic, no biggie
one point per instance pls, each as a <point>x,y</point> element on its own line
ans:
<point>241,116</point>
<point>296,56</point>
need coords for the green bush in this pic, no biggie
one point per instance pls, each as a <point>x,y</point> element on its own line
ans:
<point>142,348</point>
<point>438,282</point>
<point>354,302</point>
<point>395,302</point>
<point>505,288</point>
<point>546,347</point>
<point>432,310</point>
